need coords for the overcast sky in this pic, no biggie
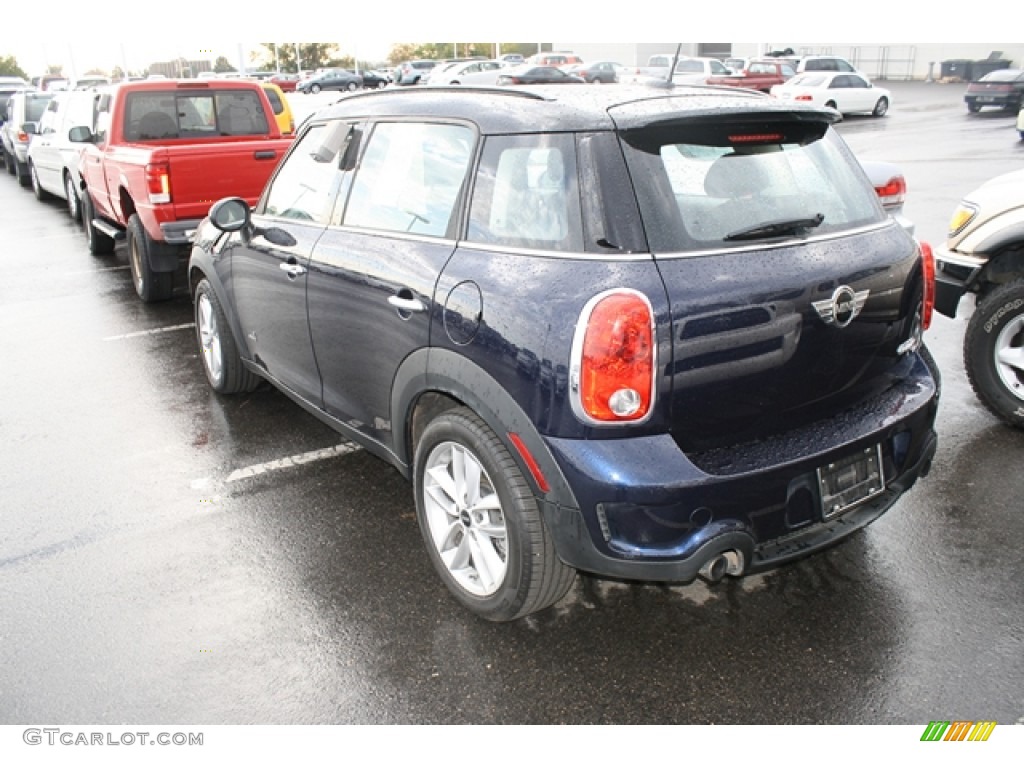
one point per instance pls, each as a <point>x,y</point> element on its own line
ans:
<point>131,32</point>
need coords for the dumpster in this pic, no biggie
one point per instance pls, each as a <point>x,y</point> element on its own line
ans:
<point>955,68</point>
<point>978,69</point>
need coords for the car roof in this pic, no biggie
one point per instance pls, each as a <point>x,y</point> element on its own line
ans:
<point>532,109</point>
<point>1003,75</point>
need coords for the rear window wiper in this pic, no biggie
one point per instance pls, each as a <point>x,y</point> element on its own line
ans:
<point>772,228</point>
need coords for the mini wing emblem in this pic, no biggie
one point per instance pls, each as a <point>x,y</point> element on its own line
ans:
<point>843,307</point>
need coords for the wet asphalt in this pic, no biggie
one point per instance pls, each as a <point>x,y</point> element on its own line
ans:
<point>168,555</point>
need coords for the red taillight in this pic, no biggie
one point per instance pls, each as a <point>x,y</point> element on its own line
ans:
<point>614,358</point>
<point>158,182</point>
<point>928,272</point>
<point>893,192</point>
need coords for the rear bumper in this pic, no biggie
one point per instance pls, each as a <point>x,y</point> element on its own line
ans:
<point>648,512</point>
<point>180,232</point>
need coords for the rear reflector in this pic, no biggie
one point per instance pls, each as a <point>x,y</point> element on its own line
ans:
<point>928,273</point>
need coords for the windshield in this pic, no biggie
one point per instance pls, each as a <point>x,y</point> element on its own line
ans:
<point>709,187</point>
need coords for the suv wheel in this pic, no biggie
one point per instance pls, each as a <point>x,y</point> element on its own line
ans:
<point>480,521</point>
<point>40,193</point>
<point>994,352</point>
<point>149,284</point>
<point>219,353</point>
<point>74,203</point>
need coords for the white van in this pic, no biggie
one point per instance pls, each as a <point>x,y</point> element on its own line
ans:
<point>52,157</point>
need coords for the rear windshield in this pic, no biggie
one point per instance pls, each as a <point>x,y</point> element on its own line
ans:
<point>156,115</point>
<point>717,186</point>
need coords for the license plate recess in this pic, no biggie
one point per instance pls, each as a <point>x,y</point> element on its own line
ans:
<point>849,481</point>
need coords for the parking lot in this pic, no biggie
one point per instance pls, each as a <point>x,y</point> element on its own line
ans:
<point>172,556</point>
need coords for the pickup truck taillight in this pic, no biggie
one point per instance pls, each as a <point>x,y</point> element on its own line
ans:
<point>613,359</point>
<point>158,182</point>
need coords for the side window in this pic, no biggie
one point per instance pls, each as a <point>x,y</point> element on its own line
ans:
<point>410,177</point>
<point>526,194</point>
<point>48,122</point>
<point>101,117</point>
<point>307,181</point>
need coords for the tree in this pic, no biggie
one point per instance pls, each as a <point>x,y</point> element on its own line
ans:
<point>223,65</point>
<point>9,68</point>
<point>310,56</point>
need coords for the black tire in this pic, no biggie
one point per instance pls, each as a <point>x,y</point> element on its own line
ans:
<point>529,575</point>
<point>9,162</point>
<point>149,284</point>
<point>24,176</point>
<point>218,351</point>
<point>100,244</point>
<point>973,107</point>
<point>41,194</point>
<point>314,89</point>
<point>997,327</point>
<point>881,107</point>
<point>74,202</point>
<point>382,84</point>
<point>352,86</point>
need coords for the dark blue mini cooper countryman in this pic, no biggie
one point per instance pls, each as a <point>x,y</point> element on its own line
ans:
<point>649,334</point>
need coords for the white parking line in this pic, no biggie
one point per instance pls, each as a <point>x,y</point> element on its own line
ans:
<point>150,332</point>
<point>271,466</point>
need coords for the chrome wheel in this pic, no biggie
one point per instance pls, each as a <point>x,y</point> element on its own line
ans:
<point>209,338</point>
<point>136,264</point>
<point>1009,356</point>
<point>465,518</point>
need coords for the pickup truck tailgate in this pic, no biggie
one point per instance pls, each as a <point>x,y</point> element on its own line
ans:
<point>201,174</point>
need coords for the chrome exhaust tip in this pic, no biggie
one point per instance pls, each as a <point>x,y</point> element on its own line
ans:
<point>728,563</point>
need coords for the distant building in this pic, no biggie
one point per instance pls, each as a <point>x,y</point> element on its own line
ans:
<point>890,61</point>
<point>180,68</point>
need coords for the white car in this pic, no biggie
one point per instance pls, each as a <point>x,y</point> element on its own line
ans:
<point>52,156</point>
<point>845,92</point>
<point>480,72</point>
<point>695,70</point>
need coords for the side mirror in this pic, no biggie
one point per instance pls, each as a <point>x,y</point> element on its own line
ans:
<point>80,134</point>
<point>31,127</point>
<point>230,214</point>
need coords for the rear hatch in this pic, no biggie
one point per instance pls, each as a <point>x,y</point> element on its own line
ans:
<point>792,295</point>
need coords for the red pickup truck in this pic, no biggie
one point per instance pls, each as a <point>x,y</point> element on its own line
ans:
<point>158,154</point>
<point>760,75</point>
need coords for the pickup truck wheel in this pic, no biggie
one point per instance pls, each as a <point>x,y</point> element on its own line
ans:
<point>149,285</point>
<point>40,193</point>
<point>481,523</point>
<point>218,351</point>
<point>881,107</point>
<point>100,244</point>
<point>994,352</point>
<point>74,202</point>
<point>314,88</point>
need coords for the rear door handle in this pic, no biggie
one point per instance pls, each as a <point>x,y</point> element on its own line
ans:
<point>293,270</point>
<point>406,304</point>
